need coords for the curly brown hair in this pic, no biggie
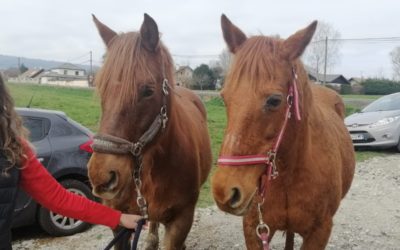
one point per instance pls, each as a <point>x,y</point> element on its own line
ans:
<point>12,131</point>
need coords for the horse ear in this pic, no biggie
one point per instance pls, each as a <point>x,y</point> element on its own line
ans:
<point>106,33</point>
<point>295,45</point>
<point>233,36</point>
<point>149,33</point>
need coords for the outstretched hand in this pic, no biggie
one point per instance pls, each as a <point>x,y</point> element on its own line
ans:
<point>129,220</point>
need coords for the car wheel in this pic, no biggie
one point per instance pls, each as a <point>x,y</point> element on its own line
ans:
<point>58,225</point>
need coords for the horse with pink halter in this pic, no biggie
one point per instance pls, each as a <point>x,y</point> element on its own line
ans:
<point>279,122</point>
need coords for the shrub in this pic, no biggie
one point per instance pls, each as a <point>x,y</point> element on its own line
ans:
<point>380,86</point>
<point>345,89</point>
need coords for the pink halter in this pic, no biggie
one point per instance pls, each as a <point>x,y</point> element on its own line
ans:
<point>269,157</point>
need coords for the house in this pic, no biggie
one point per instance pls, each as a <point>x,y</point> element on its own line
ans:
<point>184,76</point>
<point>334,80</point>
<point>10,73</point>
<point>66,74</point>
<point>29,76</point>
<point>68,69</point>
<point>356,80</point>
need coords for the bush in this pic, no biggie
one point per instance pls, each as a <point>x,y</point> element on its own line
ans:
<point>380,86</point>
<point>345,89</point>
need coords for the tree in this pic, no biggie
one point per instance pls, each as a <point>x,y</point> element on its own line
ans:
<point>225,59</point>
<point>395,57</point>
<point>203,77</point>
<point>326,36</point>
<point>23,68</point>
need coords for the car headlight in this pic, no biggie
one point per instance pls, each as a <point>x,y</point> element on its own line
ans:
<point>385,121</point>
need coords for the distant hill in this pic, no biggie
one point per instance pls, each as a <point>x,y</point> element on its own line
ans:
<point>12,62</point>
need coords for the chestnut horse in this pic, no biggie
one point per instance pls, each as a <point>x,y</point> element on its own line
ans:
<point>152,152</point>
<point>287,159</point>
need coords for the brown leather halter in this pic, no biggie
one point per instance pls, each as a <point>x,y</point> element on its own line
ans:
<point>109,144</point>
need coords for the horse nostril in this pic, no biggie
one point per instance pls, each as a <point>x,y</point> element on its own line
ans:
<point>111,183</point>
<point>235,197</point>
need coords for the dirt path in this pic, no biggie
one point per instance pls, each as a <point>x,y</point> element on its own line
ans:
<point>369,218</point>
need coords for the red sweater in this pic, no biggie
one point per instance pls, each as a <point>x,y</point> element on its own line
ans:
<point>38,183</point>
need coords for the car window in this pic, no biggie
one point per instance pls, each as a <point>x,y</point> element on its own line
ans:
<point>64,128</point>
<point>386,103</point>
<point>38,127</point>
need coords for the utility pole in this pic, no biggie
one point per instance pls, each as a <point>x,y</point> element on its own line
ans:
<point>19,63</point>
<point>91,71</point>
<point>326,58</point>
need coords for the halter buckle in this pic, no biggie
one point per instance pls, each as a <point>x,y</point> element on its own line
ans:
<point>165,86</point>
<point>290,100</point>
<point>164,116</point>
<point>271,161</point>
<point>136,150</point>
<point>141,202</point>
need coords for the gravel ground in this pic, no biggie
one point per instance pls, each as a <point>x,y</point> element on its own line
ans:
<point>369,218</point>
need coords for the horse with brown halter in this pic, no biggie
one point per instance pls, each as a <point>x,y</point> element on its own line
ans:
<point>152,152</point>
<point>287,159</point>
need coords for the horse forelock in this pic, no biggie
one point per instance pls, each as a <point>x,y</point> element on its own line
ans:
<point>126,59</point>
<point>259,61</point>
<point>255,61</point>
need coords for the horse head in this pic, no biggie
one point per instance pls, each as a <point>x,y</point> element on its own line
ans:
<point>132,85</point>
<point>255,93</point>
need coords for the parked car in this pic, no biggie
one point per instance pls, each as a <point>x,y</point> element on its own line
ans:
<point>64,147</point>
<point>378,124</point>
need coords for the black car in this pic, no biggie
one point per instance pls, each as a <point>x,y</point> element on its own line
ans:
<point>64,147</point>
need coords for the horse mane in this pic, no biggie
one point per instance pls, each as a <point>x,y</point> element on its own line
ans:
<point>125,59</point>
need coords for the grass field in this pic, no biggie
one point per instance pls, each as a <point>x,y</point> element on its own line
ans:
<point>82,105</point>
<point>372,97</point>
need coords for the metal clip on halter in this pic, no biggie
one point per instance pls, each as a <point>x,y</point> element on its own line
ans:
<point>140,200</point>
<point>271,160</point>
<point>137,149</point>
<point>262,229</point>
<point>164,116</point>
<point>165,87</point>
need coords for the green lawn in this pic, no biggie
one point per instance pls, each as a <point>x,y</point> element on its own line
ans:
<point>82,105</point>
<point>372,97</point>
<point>79,104</point>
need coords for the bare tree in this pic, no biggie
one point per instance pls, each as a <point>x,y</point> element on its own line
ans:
<point>395,57</point>
<point>225,59</point>
<point>325,39</point>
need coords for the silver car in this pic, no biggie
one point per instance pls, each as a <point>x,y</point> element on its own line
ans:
<point>378,124</point>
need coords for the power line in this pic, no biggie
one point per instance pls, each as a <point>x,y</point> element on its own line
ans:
<point>365,39</point>
<point>369,40</point>
<point>78,57</point>
<point>83,62</point>
<point>195,56</point>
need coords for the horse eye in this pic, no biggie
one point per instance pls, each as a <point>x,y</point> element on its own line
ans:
<point>273,102</point>
<point>147,91</point>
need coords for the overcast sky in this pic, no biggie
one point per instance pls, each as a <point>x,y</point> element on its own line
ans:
<point>64,31</point>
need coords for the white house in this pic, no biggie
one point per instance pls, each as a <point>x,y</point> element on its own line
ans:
<point>68,69</point>
<point>184,76</point>
<point>66,74</point>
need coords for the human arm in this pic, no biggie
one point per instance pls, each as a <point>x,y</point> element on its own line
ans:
<point>38,183</point>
